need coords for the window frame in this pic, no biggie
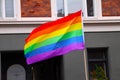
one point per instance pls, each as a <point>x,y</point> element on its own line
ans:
<point>84,10</point>
<point>97,11</point>
<point>104,60</point>
<point>97,18</point>
<point>3,13</point>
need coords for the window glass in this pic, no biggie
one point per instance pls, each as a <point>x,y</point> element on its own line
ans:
<point>110,8</point>
<point>9,8</point>
<point>60,8</point>
<point>96,54</point>
<point>90,8</point>
<point>97,71</point>
<point>74,5</point>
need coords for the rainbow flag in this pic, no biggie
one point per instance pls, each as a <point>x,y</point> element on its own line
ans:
<point>55,38</point>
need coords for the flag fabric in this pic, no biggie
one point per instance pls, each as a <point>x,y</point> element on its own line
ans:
<point>55,38</point>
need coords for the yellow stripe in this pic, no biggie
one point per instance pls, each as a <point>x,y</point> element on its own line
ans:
<point>55,33</point>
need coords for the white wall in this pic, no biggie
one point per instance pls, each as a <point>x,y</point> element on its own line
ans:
<point>28,27</point>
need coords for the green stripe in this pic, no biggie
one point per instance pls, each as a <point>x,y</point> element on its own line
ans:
<point>54,40</point>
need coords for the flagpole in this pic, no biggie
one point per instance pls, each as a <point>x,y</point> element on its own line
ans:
<point>85,64</point>
<point>85,55</point>
<point>33,73</point>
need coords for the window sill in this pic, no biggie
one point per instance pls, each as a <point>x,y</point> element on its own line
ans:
<point>91,21</point>
<point>101,20</point>
<point>26,21</point>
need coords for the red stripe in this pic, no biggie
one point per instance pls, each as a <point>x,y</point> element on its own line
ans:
<point>59,21</point>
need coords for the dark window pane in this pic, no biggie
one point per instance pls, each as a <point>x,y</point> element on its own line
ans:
<point>50,69</point>
<point>60,8</point>
<point>90,8</point>
<point>97,53</point>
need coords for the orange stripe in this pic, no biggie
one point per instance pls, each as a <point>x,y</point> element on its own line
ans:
<point>54,28</point>
<point>77,19</point>
<point>59,21</point>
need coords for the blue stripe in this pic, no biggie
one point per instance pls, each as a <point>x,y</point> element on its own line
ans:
<point>54,46</point>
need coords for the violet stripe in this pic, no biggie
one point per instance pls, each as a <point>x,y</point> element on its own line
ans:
<point>57,52</point>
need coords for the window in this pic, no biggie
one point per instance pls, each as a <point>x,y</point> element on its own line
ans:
<point>66,7</point>
<point>90,8</point>
<point>7,9</point>
<point>60,8</point>
<point>97,63</point>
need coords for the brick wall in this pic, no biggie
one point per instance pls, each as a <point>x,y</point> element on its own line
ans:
<point>111,7</point>
<point>35,8</point>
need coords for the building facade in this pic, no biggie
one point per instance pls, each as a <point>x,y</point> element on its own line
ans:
<point>100,59</point>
